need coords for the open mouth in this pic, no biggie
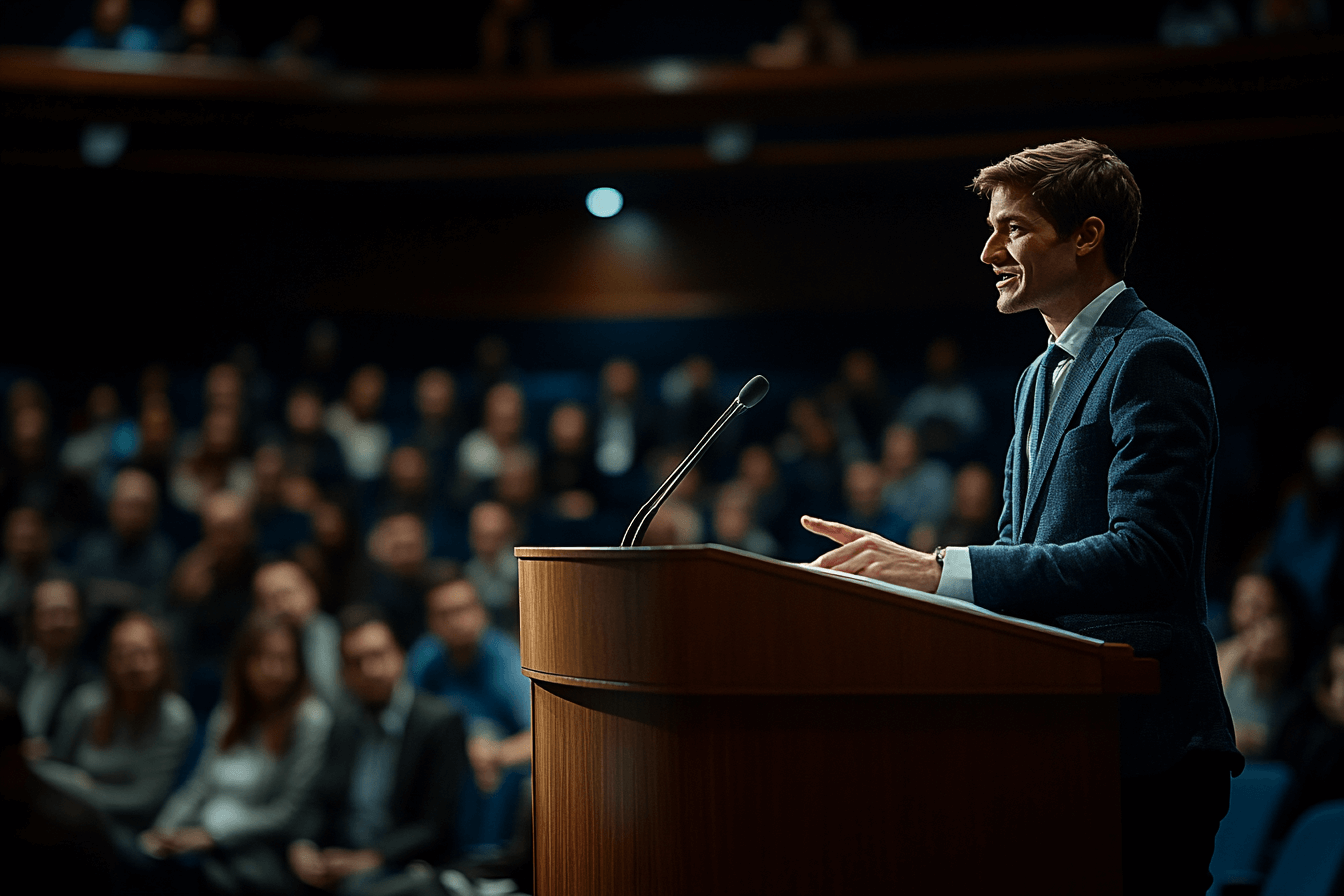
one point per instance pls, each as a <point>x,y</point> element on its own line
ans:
<point>1006,277</point>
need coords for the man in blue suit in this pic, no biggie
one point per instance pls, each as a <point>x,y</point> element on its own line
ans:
<point>1106,495</point>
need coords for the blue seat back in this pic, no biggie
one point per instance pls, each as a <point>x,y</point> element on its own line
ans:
<point>1256,794</point>
<point>1309,863</point>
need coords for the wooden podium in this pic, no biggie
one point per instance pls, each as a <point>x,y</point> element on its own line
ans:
<point>709,721</point>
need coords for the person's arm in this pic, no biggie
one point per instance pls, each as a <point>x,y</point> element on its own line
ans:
<point>183,807</point>
<point>156,767</point>
<point>303,761</point>
<point>1162,436</point>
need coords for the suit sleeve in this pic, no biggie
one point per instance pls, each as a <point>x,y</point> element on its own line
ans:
<point>1161,441</point>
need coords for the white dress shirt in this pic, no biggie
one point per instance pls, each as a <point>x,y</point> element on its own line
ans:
<point>956,578</point>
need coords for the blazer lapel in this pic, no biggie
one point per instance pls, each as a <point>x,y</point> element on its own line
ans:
<point>1082,372</point>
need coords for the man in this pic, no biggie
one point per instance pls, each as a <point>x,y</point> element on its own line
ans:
<point>388,791</point>
<point>128,564</point>
<point>477,667</point>
<point>1106,494</point>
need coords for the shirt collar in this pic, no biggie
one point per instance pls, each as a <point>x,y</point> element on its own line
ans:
<point>392,720</point>
<point>1076,333</point>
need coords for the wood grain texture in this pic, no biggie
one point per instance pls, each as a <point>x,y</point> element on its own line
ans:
<point>714,620</point>
<point>640,793</point>
<point>708,721</point>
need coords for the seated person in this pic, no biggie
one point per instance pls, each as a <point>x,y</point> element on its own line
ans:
<point>478,668</point>
<point>284,588</point>
<point>128,564</point>
<point>121,741</point>
<point>263,751</point>
<point>45,676</point>
<point>388,791</point>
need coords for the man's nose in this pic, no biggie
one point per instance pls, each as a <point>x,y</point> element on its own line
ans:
<point>993,247</point>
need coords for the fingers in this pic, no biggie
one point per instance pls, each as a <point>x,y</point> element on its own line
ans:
<point>837,532</point>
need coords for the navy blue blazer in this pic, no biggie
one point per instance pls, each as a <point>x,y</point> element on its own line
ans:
<point>1107,535</point>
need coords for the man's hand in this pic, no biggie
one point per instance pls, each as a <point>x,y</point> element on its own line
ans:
<point>866,554</point>
<point>486,762</point>
<point>191,840</point>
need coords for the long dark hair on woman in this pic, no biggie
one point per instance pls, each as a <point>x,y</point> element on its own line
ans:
<point>248,712</point>
<point>117,707</point>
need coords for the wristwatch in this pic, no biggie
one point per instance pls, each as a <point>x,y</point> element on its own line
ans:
<point>940,555</point>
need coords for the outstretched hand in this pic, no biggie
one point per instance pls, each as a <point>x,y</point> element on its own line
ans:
<point>867,554</point>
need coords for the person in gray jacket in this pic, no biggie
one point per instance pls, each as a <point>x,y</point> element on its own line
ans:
<point>264,748</point>
<point>121,741</point>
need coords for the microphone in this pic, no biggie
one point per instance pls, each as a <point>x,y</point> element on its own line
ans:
<point>750,395</point>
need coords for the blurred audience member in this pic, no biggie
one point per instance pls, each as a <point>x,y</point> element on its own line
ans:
<point>333,560</point>
<point>757,470</point>
<point>27,561</point>
<point>155,440</point>
<point>128,564</point>
<point>625,427</point>
<point>733,521</point>
<point>817,38</point>
<point>518,487</point>
<point>100,426</point>
<point>1273,17</point>
<point>388,792</point>
<point>198,32</point>
<point>569,464</point>
<point>264,748</point>
<point>492,568</point>
<point>212,589</point>
<point>309,449</point>
<point>284,589</point>
<point>975,510</point>
<point>213,460</point>
<point>864,507</point>
<point>354,423</point>
<point>811,465</point>
<point>279,527</point>
<point>1310,532</point>
<point>112,29</point>
<point>917,488</point>
<point>1311,740</point>
<point>409,489</point>
<point>50,669</point>
<point>121,741</point>
<point>481,451</point>
<point>402,573</point>
<point>29,473</point>
<point>946,411</point>
<point>55,841</point>
<point>860,402</point>
<point>476,667</point>
<point>693,404</point>
<point>439,429</point>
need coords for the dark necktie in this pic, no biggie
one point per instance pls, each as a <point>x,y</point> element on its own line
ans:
<point>1044,379</point>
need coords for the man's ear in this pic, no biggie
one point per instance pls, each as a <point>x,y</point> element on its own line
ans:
<point>1087,238</point>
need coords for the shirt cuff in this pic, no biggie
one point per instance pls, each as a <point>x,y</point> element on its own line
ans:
<point>955,581</point>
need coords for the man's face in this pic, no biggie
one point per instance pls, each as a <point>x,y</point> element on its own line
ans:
<point>1036,266</point>
<point>284,589</point>
<point>455,615</point>
<point>372,663</point>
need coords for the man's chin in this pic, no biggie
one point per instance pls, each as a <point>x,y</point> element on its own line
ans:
<point>1013,304</point>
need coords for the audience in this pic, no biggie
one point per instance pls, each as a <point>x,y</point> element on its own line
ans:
<point>475,666</point>
<point>387,794</point>
<point>287,531</point>
<point>264,749</point>
<point>129,563</point>
<point>45,675</point>
<point>121,741</point>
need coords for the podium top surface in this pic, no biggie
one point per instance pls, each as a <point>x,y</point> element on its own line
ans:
<point>714,619</point>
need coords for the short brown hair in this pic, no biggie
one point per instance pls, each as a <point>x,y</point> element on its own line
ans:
<point>1073,181</point>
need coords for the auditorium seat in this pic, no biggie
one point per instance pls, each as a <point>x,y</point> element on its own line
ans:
<point>1309,863</point>
<point>1256,794</point>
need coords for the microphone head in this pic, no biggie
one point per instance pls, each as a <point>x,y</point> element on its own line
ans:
<point>753,391</point>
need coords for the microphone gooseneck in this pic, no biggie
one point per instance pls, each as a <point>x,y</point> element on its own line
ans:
<point>749,396</point>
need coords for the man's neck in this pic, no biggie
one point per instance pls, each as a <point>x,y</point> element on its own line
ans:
<point>1061,313</point>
